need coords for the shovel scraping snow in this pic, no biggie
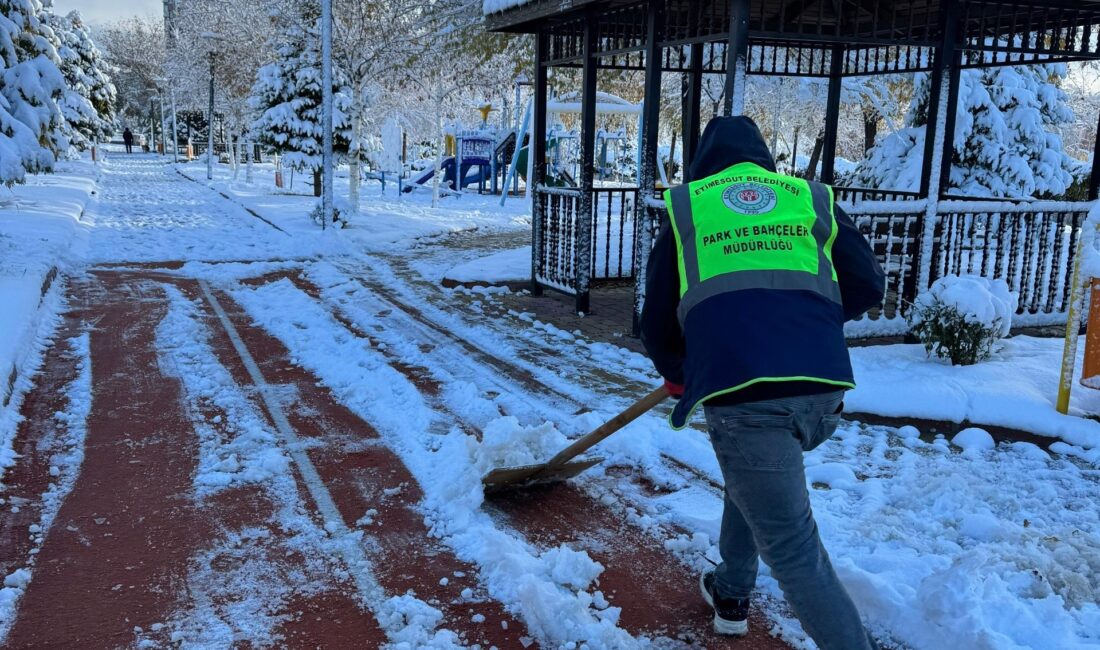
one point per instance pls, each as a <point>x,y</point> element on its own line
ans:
<point>562,466</point>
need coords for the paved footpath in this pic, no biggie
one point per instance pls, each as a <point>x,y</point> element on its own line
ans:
<point>184,479</point>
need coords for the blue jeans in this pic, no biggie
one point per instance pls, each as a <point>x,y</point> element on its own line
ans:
<point>767,511</point>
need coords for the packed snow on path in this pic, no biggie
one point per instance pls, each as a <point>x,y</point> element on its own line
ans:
<point>388,219</point>
<point>149,213</point>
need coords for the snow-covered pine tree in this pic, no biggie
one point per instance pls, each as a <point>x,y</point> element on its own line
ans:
<point>1006,138</point>
<point>287,95</point>
<point>88,103</point>
<point>31,85</point>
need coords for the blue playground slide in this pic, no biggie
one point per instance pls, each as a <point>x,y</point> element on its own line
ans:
<point>474,173</point>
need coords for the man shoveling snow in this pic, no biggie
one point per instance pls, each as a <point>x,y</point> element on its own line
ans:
<point>747,292</point>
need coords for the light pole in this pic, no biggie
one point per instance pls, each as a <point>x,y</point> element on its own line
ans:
<point>212,40</point>
<point>326,113</point>
<point>521,81</point>
<point>164,83</point>
<point>152,121</point>
<point>175,129</point>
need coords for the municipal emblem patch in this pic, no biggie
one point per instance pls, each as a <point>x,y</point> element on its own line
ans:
<point>749,198</point>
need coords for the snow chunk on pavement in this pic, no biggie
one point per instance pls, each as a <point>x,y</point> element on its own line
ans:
<point>973,441</point>
<point>835,475</point>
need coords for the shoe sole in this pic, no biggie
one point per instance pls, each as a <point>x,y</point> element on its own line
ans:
<point>723,626</point>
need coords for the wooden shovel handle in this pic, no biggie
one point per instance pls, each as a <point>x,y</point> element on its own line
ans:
<point>633,412</point>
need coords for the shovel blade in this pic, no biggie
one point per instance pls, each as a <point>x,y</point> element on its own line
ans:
<point>504,479</point>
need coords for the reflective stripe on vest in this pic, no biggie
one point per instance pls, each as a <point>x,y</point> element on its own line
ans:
<point>726,226</point>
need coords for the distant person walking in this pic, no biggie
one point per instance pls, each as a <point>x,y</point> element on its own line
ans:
<point>128,139</point>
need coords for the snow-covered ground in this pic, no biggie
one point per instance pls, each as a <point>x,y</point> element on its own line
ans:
<point>943,544</point>
<point>386,218</point>
<point>40,224</point>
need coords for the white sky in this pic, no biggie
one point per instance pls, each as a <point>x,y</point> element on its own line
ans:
<point>102,11</point>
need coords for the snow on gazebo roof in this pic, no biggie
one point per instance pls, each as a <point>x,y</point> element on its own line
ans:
<point>605,103</point>
<point>497,6</point>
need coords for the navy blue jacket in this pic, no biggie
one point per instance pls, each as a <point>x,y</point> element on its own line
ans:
<point>757,332</point>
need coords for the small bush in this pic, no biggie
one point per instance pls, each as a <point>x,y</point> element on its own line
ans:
<point>341,211</point>
<point>961,318</point>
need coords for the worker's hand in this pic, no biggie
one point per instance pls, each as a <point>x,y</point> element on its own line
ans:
<point>675,390</point>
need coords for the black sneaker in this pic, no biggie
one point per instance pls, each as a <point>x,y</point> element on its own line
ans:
<point>731,615</point>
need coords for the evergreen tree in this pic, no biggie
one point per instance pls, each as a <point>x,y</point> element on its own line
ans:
<point>88,103</point>
<point>1006,139</point>
<point>287,95</point>
<point>31,87</point>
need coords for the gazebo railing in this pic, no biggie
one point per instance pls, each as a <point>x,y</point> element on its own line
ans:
<point>1029,244</point>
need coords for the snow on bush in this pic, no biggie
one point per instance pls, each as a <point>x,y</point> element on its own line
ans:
<point>961,317</point>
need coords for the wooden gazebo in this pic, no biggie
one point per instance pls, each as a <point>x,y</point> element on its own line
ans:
<point>587,234</point>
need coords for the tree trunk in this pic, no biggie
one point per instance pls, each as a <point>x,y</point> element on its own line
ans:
<point>234,157</point>
<point>353,169</point>
<point>317,181</point>
<point>440,140</point>
<point>248,176</point>
<point>870,128</point>
<point>815,155</point>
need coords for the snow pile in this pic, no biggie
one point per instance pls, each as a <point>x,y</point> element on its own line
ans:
<point>979,300</point>
<point>938,550</point>
<point>973,440</point>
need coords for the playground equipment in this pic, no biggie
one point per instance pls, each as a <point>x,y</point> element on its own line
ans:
<point>472,157</point>
<point>563,145</point>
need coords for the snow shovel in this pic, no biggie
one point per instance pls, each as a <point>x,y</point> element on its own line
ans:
<point>562,466</point>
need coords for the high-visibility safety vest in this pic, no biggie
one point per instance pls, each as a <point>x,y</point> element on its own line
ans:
<point>750,228</point>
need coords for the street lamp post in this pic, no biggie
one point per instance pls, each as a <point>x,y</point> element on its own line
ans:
<point>175,129</point>
<point>163,141</point>
<point>326,113</point>
<point>210,126</point>
<point>152,123</point>
<point>212,40</point>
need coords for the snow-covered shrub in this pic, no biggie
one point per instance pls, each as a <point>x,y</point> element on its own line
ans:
<point>341,213</point>
<point>961,318</point>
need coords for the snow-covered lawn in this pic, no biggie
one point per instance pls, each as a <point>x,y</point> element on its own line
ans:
<point>41,228</point>
<point>386,219</point>
<point>1016,389</point>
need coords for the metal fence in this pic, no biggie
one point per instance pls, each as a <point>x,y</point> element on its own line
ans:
<point>1029,244</point>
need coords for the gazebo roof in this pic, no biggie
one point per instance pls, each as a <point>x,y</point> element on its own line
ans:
<point>1040,28</point>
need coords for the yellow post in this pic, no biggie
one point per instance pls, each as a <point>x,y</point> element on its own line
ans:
<point>485,110</point>
<point>1073,315</point>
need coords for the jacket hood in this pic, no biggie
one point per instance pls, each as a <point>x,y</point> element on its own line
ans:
<point>728,141</point>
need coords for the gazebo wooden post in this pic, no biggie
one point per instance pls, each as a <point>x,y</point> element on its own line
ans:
<point>647,175</point>
<point>536,147</point>
<point>583,259</point>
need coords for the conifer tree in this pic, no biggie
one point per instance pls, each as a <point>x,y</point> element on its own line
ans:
<point>287,96</point>
<point>31,86</point>
<point>1006,140</point>
<point>88,103</point>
